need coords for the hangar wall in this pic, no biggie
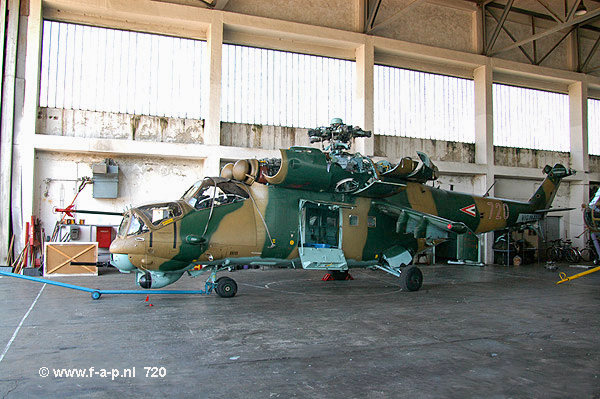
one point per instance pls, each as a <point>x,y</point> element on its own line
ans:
<point>141,180</point>
<point>437,38</point>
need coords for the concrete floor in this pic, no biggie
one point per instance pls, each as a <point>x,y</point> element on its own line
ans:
<point>491,332</point>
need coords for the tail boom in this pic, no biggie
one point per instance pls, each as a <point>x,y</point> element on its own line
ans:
<point>543,197</point>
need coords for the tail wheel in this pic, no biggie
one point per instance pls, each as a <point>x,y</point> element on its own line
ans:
<point>225,287</point>
<point>411,278</point>
<point>572,256</point>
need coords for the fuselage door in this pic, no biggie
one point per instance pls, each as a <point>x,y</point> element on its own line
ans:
<point>321,236</point>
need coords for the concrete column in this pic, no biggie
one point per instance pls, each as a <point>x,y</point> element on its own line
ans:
<point>484,139</point>
<point>363,99</point>
<point>477,29</point>
<point>359,15</point>
<point>579,192</point>
<point>484,115</point>
<point>578,121</point>
<point>25,121</point>
<point>7,120</point>
<point>212,84</point>
<point>212,165</point>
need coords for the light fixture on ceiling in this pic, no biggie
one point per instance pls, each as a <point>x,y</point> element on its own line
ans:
<point>581,10</point>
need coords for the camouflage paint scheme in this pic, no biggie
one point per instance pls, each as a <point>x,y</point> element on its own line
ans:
<point>387,214</point>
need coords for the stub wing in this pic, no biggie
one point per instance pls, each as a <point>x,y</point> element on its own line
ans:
<point>421,225</point>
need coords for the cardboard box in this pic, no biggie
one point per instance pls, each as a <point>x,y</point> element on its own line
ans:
<point>60,257</point>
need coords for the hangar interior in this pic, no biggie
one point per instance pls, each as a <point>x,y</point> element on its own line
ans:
<point>171,90</point>
<point>109,104</point>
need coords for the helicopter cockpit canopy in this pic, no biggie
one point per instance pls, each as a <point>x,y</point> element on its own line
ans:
<point>213,191</point>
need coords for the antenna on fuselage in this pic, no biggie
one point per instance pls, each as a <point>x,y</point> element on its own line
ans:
<point>488,190</point>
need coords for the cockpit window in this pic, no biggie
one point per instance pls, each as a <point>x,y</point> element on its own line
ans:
<point>124,225</point>
<point>213,190</point>
<point>137,226</point>
<point>191,191</point>
<point>158,213</point>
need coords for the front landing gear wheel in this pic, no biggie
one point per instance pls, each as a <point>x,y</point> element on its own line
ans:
<point>225,287</point>
<point>411,278</point>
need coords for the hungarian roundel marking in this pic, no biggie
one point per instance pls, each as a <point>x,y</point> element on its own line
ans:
<point>469,210</point>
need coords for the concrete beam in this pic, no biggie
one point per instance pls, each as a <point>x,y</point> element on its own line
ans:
<point>166,18</point>
<point>144,15</point>
<point>43,142</point>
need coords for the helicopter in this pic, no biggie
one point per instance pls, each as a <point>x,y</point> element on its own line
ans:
<point>316,209</point>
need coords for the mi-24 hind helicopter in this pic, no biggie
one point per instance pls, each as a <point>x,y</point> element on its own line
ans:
<point>314,209</point>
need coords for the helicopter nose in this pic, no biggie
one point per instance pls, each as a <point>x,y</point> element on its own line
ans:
<point>122,262</point>
<point>128,245</point>
<point>122,249</point>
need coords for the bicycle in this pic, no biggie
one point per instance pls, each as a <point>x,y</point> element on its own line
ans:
<point>563,250</point>
<point>588,253</point>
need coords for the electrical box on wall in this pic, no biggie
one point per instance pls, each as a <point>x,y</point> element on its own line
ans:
<point>74,232</point>
<point>106,179</point>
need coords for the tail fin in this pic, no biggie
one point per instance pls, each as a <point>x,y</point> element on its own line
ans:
<point>543,197</point>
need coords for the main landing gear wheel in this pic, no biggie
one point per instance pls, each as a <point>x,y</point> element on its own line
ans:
<point>225,287</point>
<point>411,278</point>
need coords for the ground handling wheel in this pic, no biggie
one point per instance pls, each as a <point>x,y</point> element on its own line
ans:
<point>411,278</point>
<point>225,287</point>
<point>96,295</point>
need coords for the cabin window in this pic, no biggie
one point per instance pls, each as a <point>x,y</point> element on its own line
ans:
<point>321,226</point>
<point>372,221</point>
<point>353,220</point>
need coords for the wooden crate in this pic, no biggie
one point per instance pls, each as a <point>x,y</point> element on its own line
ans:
<point>60,255</point>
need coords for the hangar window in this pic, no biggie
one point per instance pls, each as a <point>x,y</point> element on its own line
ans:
<point>271,87</point>
<point>98,69</point>
<point>527,118</point>
<point>594,126</point>
<point>423,105</point>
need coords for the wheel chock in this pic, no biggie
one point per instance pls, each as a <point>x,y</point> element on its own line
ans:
<point>330,277</point>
